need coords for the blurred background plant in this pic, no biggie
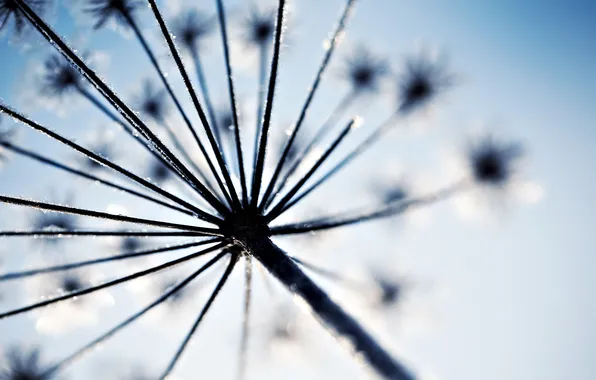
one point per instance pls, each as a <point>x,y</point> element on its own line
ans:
<point>144,175</point>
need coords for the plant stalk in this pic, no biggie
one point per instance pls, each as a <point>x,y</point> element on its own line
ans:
<point>330,314</point>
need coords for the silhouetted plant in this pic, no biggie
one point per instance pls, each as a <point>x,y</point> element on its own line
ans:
<point>233,207</point>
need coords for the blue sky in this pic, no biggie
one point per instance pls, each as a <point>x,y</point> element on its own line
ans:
<point>520,302</point>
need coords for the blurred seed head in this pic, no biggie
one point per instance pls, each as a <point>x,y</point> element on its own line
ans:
<point>152,102</point>
<point>55,221</point>
<point>158,172</point>
<point>191,27</point>
<point>177,297</point>
<point>283,328</point>
<point>102,147</point>
<point>225,120</point>
<point>59,77</point>
<point>104,10</point>
<point>259,27</point>
<point>390,291</point>
<point>493,162</point>
<point>21,365</point>
<point>421,82</point>
<point>365,71</point>
<point>130,244</point>
<point>394,193</point>
<point>6,137</point>
<point>70,282</point>
<point>10,14</point>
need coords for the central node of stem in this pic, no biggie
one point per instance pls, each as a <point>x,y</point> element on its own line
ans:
<point>245,225</point>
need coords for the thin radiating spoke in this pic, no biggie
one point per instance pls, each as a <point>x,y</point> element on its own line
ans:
<point>327,273</point>
<point>196,103</point>
<point>275,212</point>
<point>335,39</point>
<point>107,216</point>
<point>82,174</point>
<point>94,233</point>
<point>82,264</point>
<point>196,59</point>
<point>198,212</point>
<point>116,102</point>
<point>109,284</point>
<point>221,15</point>
<point>259,167</point>
<point>350,218</point>
<point>96,342</point>
<point>194,327</point>
<point>260,99</point>
<point>245,318</point>
<point>325,128</point>
<point>362,147</point>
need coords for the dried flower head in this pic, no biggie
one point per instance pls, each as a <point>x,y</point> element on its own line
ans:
<point>103,147</point>
<point>191,27</point>
<point>6,138</point>
<point>21,365</point>
<point>11,13</point>
<point>225,120</point>
<point>55,221</point>
<point>422,80</point>
<point>390,291</point>
<point>259,27</point>
<point>71,282</point>
<point>130,244</point>
<point>104,10</point>
<point>365,71</point>
<point>59,77</point>
<point>152,102</point>
<point>394,193</point>
<point>493,163</point>
<point>158,172</point>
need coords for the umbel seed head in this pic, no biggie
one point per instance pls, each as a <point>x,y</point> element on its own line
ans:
<point>421,82</point>
<point>152,102</point>
<point>259,27</point>
<point>365,71</point>
<point>21,365</point>
<point>104,10</point>
<point>190,28</point>
<point>11,13</point>
<point>59,77</point>
<point>492,162</point>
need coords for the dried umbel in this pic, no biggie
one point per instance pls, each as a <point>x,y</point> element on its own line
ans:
<point>20,365</point>
<point>11,14</point>
<point>234,202</point>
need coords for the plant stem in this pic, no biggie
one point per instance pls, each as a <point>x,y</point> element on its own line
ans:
<point>328,312</point>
